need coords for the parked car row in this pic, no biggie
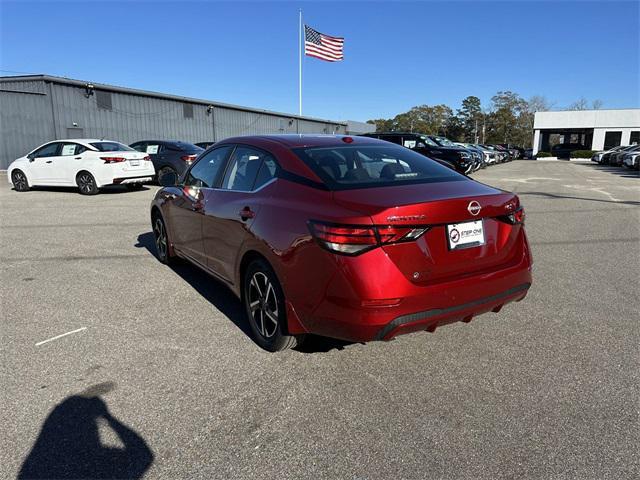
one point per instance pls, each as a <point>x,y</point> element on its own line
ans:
<point>463,157</point>
<point>622,156</point>
<point>91,164</point>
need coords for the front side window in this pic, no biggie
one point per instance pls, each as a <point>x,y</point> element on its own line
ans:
<point>50,150</point>
<point>369,166</point>
<point>205,172</point>
<point>111,147</point>
<point>243,169</point>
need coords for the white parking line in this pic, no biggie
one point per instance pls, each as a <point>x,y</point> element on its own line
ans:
<point>60,336</point>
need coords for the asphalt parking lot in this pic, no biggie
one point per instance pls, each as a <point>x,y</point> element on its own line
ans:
<point>161,379</point>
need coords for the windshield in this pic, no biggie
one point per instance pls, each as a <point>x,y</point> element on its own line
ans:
<point>369,166</point>
<point>111,147</point>
<point>428,141</point>
<point>445,142</point>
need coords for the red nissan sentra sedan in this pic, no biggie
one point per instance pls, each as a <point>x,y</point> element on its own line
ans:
<point>347,237</point>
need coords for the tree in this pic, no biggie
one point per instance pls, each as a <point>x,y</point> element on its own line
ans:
<point>539,103</point>
<point>470,116</point>
<point>597,104</point>
<point>382,124</point>
<point>580,104</point>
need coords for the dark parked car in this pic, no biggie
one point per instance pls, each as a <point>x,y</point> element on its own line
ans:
<point>515,151</point>
<point>168,156</point>
<point>563,150</point>
<point>459,157</point>
<point>346,237</point>
<point>204,145</point>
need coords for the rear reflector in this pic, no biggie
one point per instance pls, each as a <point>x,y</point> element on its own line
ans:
<point>113,159</point>
<point>188,158</point>
<point>356,239</point>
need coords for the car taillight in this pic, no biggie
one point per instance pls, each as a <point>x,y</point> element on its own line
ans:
<point>147,158</point>
<point>188,158</point>
<point>113,159</point>
<point>514,218</point>
<point>357,239</point>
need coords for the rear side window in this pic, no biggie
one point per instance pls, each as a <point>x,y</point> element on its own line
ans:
<point>369,166</point>
<point>205,172</point>
<point>244,167</point>
<point>111,147</point>
<point>71,149</point>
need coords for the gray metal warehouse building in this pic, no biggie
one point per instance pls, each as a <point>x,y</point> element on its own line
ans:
<point>35,109</point>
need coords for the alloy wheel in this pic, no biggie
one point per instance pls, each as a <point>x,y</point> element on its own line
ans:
<point>263,304</point>
<point>19,181</point>
<point>161,238</point>
<point>86,184</point>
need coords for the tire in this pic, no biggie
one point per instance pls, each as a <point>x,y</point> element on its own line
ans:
<point>133,186</point>
<point>164,171</point>
<point>161,240</point>
<point>86,183</point>
<point>19,180</point>
<point>264,304</point>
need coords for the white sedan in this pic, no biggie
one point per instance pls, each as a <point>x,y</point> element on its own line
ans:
<point>86,163</point>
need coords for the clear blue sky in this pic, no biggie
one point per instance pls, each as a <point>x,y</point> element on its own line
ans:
<point>397,54</point>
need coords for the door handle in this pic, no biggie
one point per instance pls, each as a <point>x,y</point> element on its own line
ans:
<point>246,213</point>
<point>49,161</point>
<point>78,158</point>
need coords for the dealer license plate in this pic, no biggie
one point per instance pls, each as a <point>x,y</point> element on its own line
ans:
<point>465,235</point>
<point>134,163</point>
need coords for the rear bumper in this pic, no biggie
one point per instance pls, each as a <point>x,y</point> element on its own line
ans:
<point>138,179</point>
<point>430,319</point>
<point>340,315</point>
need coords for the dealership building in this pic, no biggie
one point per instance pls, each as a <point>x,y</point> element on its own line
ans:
<point>595,129</point>
<point>35,109</point>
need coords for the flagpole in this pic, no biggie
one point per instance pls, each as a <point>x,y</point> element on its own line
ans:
<point>300,64</point>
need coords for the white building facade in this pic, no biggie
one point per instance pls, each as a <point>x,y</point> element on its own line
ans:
<point>595,129</point>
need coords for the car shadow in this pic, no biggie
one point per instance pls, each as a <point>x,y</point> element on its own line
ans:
<point>620,171</point>
<point>563,197</point>
<point>108,190</point>
<point>69,444</point>
<point>223,299</point>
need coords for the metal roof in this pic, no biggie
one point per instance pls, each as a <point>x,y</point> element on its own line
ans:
<point>146,93</point>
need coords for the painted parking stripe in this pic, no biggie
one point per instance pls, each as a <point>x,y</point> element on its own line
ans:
<point>60,336</point>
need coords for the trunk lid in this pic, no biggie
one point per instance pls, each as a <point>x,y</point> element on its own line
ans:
<point>430,258</point>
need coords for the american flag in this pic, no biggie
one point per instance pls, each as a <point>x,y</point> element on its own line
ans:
<point>324,47</point>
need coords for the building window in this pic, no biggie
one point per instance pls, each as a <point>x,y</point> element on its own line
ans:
<point>103,99</point>
<point>634,138</point>
<point>612,139</point>
<point>187,110</point>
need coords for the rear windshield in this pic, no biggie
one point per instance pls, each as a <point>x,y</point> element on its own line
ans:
<point>183,147</point>
<point>370,166</point>
<point>111,147</point>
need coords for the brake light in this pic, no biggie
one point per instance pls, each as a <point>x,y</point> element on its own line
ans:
<point>188,158</point>
<point>357,239</point>
<point>147,158</point>
<point>515,218</point>
<point>113,159</point>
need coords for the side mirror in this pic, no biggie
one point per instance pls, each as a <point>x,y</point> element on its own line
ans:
<point>169,179</point>
<point>31,157</point>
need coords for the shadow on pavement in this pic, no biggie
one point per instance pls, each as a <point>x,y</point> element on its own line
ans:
<point>620,171</point>
<point>217,293</point>
<point>69,443</point>
<point>564,197</point>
